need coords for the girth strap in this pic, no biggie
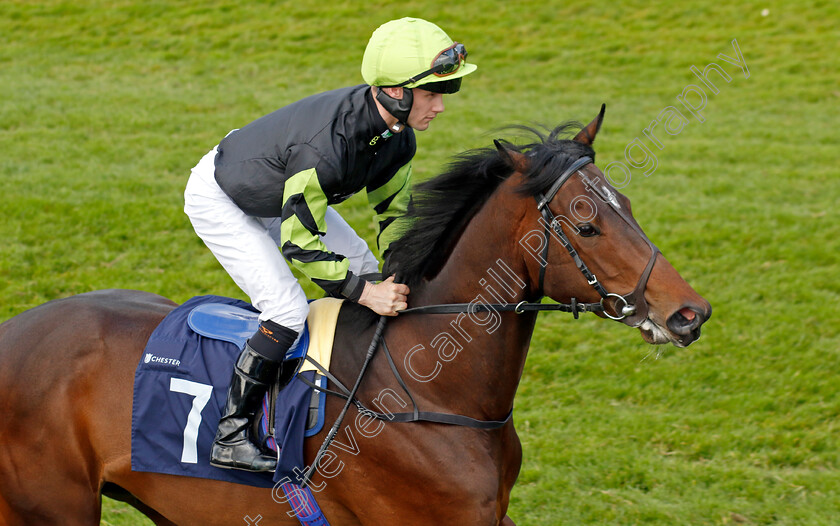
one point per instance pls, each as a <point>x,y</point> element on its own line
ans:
<point>345,392</point>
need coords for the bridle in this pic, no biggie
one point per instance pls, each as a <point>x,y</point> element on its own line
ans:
<point>633,312</point>
<point>635,309</point>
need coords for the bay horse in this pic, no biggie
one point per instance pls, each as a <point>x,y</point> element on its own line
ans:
<point>479,236</point>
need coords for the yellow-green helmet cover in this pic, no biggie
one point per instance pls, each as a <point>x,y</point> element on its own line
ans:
<point>402,48</point>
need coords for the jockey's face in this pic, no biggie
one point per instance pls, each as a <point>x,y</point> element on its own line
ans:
<point>425,107</point>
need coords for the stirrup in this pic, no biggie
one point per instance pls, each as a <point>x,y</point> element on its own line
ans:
<point>227,456</point>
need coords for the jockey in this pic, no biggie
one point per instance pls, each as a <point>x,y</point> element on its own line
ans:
<point>270,185</point>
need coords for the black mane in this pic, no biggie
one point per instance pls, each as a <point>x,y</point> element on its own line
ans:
<point>441,207</point>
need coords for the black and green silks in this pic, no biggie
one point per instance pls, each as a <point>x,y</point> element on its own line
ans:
<point>319,151</point>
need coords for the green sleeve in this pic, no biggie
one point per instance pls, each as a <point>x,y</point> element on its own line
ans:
<point>303,222</point>
<point>390,202</point>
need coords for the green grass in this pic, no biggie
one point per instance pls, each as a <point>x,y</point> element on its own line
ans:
<point>105,107</point>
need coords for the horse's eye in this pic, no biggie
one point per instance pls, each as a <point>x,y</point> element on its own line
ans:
<point>588,230</point>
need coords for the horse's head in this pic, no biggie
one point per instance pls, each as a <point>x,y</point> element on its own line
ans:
<point>589,247</point>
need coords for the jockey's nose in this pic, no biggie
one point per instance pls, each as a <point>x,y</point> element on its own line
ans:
<point>438,106</point>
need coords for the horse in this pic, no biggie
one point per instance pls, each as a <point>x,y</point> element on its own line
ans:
<point>502,226</point>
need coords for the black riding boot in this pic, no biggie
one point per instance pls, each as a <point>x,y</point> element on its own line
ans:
<point>232,447</point>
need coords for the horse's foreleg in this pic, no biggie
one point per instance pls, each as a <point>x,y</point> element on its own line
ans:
<point>507,521</point>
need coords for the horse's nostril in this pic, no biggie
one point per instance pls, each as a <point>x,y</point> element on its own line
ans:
<point>684,321</point>
<point>687,313</point>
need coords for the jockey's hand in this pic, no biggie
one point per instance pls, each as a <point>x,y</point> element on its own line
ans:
<point>385,298</point>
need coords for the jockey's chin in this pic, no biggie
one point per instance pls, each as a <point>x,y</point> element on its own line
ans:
<point>424,108</point>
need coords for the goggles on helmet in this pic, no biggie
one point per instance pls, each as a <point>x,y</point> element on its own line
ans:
<point>445,63</point>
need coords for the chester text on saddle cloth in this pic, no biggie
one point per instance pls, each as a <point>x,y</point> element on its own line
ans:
<point>179,390</point>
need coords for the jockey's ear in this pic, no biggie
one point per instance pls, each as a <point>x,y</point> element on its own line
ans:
<point>394,93</point>
<point>517,161</point>
<point>588,133</point>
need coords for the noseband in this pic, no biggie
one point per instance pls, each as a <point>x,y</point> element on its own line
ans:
<point>635,309</point>
<point>633,312</point>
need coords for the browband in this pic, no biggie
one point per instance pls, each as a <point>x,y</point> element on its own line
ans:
<point>548,196</point>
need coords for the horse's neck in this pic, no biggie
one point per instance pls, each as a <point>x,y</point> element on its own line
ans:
<point>475,360</point>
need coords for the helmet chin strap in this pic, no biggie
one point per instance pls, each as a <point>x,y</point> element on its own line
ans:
<point>399,108</point>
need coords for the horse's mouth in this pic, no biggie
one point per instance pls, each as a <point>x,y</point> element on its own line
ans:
<point>657,335</point>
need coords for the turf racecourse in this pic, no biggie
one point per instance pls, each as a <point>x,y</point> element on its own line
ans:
<point>106,106</point>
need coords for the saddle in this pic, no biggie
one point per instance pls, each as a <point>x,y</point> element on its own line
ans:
<point>235,324</point>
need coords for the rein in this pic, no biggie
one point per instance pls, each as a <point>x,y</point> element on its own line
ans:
<point>519,308</point>
<point>377,335</point>
<point>350,396</point>
<point>634,309</point>
<point>633,312</point>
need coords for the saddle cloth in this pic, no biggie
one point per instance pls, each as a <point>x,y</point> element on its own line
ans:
<point>181,384</point>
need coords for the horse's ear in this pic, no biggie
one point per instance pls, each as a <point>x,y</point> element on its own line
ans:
<point>512,158</point>
<point>588,133</point>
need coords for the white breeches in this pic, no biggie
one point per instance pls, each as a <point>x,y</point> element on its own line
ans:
<point>247,247</point>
